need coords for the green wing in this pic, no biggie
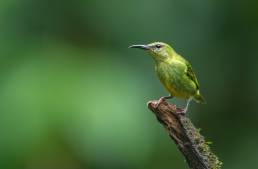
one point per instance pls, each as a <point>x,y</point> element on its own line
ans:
<point>191,75</point>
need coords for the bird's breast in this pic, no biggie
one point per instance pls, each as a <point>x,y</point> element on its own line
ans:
<point>171,76</point>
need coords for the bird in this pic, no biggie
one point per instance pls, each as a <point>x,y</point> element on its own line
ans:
<point>174,72</point>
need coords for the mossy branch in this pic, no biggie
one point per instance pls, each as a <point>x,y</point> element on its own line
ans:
<point>187,138</point>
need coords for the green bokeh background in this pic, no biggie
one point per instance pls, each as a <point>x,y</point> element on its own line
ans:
<point>73,96</point>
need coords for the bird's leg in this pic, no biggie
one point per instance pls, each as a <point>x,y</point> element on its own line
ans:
<point>162,99</point>
<point>186,107</point>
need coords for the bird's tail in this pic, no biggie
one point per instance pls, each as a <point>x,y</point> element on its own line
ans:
<point>199,98</point>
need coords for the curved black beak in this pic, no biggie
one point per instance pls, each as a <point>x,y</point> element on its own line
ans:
<point>145,47</point>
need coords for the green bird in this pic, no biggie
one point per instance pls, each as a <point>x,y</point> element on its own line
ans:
<point>174,72</point>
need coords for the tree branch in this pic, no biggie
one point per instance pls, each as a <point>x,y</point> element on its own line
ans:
<point>187,138</point>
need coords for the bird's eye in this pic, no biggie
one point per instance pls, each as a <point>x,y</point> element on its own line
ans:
<point>158,46</point>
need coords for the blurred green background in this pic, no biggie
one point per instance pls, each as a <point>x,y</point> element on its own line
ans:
<point>73,96</point>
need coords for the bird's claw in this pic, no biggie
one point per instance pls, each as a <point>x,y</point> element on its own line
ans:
<point>173,106</point>
<point>181,111</point>
<point>162,99</point>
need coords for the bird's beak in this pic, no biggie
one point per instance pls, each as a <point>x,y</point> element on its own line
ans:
<point>145,47</point>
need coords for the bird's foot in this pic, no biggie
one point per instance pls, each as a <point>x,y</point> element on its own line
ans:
<point>162,99</point>
<point>173,107</point>
<point>178,110</point>
<point>181,111</point>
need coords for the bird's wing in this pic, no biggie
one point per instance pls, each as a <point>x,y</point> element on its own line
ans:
<point>190,74</point>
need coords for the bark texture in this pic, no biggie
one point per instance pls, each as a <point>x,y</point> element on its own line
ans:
<point>188,139</point>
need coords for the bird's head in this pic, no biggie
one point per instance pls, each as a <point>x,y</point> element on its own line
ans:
<point>158,50</point>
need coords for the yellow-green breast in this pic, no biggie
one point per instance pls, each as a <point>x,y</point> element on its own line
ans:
<point>172,74</point>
